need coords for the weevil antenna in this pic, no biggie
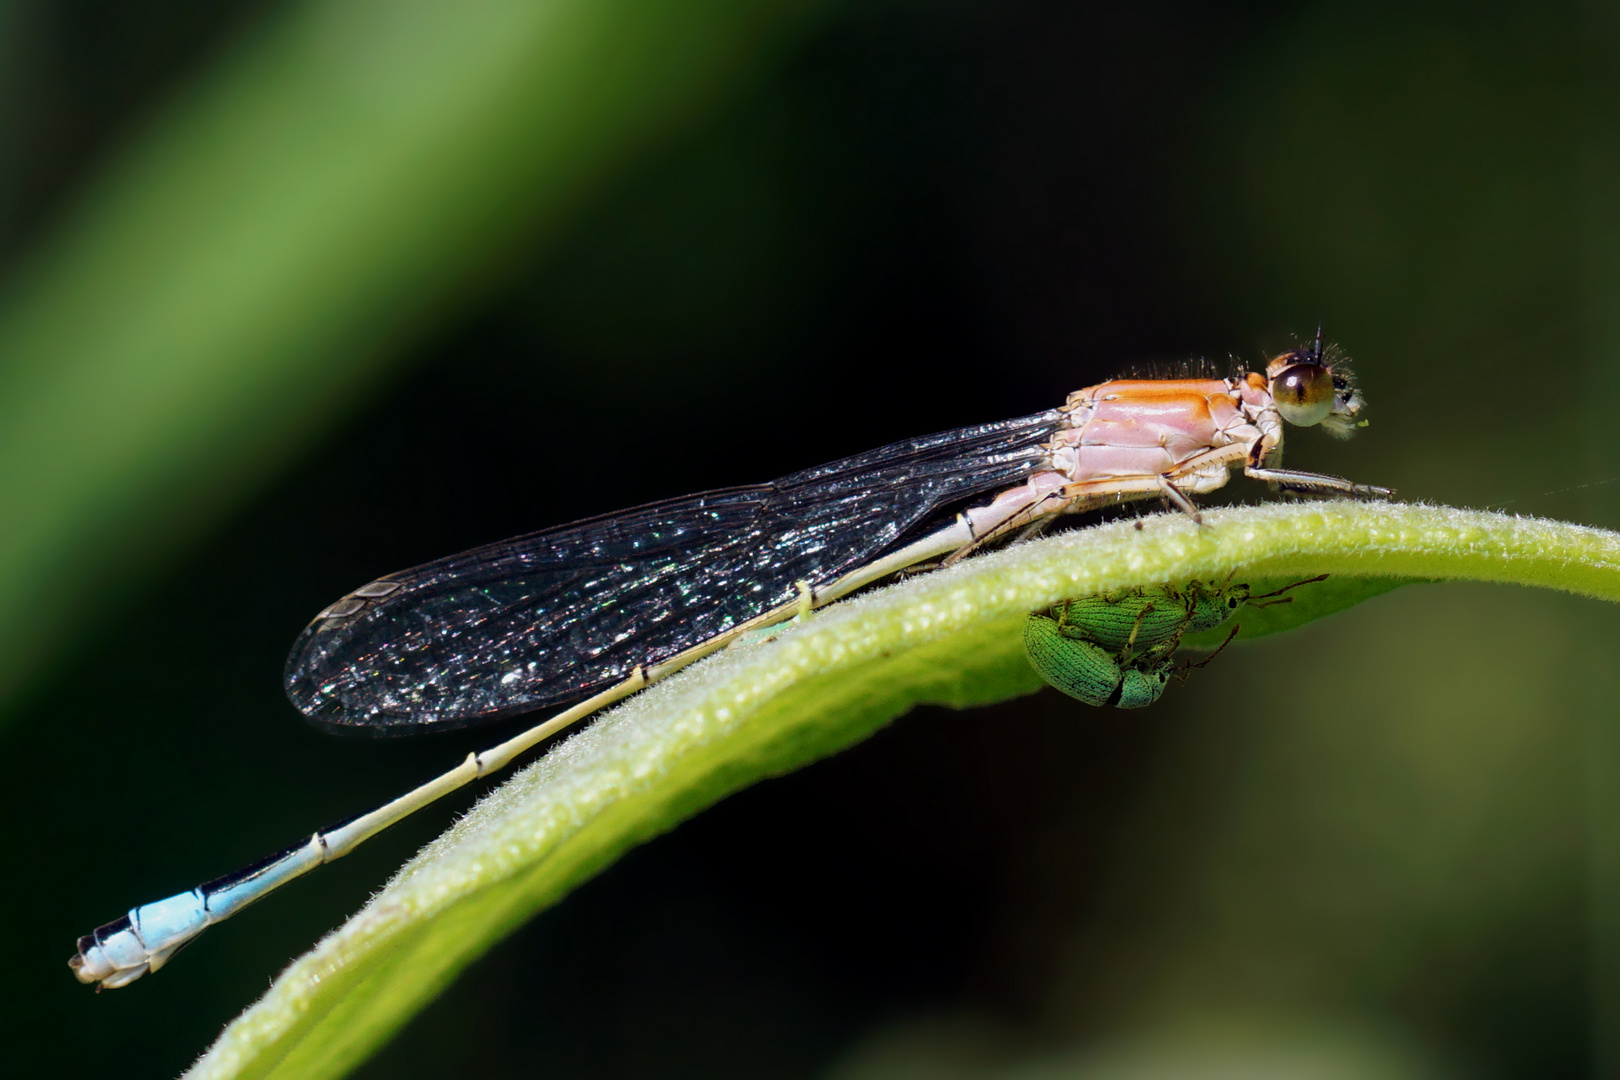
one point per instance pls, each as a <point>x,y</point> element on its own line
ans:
<point>1285,588</point>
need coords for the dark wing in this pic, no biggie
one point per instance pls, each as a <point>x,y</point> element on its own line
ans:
<point>557,615</point>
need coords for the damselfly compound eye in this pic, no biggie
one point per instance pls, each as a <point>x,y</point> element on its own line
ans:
<point>1314,386</point>
<point>1303,393</point>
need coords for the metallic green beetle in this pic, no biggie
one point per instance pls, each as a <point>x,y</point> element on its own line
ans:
<point>1118,648</point>
<point>1111,649</point>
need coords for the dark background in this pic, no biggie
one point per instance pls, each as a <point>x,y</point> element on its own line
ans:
<point>1380,846</point>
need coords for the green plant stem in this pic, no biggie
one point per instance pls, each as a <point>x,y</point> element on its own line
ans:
<point>951,637</point>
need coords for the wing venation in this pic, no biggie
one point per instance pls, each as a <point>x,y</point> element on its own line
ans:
<point>556,615</point>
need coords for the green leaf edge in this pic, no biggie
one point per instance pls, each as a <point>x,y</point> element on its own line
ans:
<point>769,706</point>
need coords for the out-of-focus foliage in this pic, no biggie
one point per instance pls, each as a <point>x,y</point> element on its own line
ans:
<point>258,254</point>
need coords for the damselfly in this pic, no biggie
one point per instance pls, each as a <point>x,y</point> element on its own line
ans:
<point>586,614</point>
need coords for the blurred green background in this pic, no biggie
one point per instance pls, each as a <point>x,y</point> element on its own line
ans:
<point>298,294</point>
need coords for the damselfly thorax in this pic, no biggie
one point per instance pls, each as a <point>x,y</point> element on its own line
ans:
<point>586,614</point>
<point>1173,438</point>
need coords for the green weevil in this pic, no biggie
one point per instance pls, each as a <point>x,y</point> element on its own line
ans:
<point>1108,650</point>
<point>1117,648</point>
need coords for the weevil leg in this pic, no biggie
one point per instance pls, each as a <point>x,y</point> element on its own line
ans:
<point>1289,480</point>
<point>1174,496</point>
<point>1181,672</point>
<point>1136,627</point>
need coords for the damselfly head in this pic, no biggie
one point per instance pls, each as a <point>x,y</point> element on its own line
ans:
<point>1313,386</point>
